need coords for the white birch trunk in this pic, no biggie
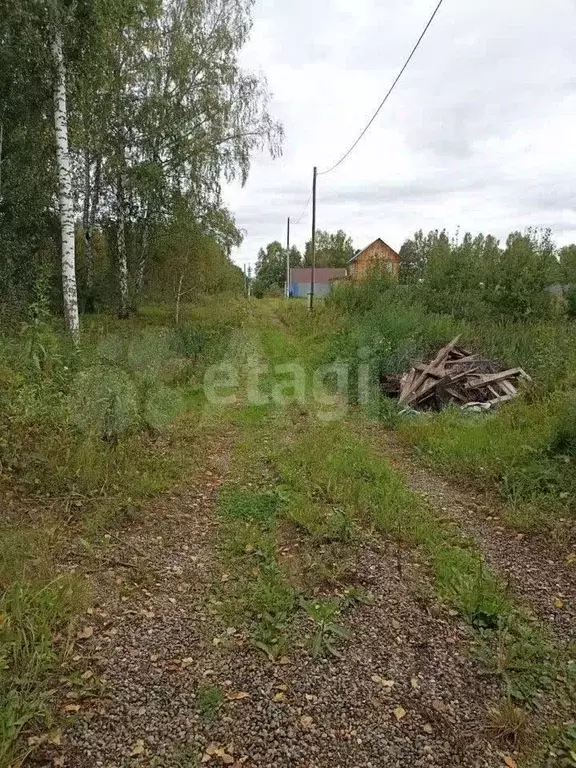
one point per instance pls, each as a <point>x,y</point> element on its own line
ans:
<point>142,259</point>
<point>90,219</point>
<point>178,298</point>
<point>122,259</point>
<point>69,291</point>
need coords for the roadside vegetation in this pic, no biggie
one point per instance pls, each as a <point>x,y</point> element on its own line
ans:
<point>526,450</point>
<point>86,435</point>
<point>307,496</point>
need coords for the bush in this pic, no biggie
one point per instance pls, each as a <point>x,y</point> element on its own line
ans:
<point>563,437</point>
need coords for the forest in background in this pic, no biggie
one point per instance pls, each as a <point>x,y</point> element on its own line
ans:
<point>120,121</point>
<point>469,276</point>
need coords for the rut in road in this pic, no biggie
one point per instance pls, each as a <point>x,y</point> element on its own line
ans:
<point>539,571</point>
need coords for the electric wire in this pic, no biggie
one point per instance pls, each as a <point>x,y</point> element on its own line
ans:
<point>385,99</point>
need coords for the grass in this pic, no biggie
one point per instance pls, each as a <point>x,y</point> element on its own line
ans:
<point>508,725</point>
<point>209,700</point>
<point>522,451</point>
<point>330,468</point>
<point>526,450</point>
<point>35,626</point>
<point>85,437</point>
<point>141,420</point>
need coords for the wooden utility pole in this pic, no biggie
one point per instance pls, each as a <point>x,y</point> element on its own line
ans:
<point>288,258</point>
<point>312,275</point>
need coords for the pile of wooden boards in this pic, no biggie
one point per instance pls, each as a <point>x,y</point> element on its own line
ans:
<point>455,375</point>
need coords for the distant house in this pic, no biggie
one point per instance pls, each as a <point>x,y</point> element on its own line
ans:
<point>300,278</point>
<point>376,254</point>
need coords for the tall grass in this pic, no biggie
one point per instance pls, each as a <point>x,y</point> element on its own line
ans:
<point>525,449</point>
<point>85,435</point>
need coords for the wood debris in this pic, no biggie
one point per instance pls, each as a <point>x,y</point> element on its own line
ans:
<point>456,375</point>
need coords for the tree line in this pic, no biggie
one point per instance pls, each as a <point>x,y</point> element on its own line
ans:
<point>120,120</point>
<point>474,276</point>
<point>332,250</point>
<point>527,277</point>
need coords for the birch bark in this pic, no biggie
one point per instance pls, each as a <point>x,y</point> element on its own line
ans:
<point>91,201</point>
<point>69,291</point>
<point>122,259</point>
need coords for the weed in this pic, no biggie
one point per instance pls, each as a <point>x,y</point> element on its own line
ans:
<point>525,659</point>
<point>563,750</point>
<point>327,633</point>
<point>30,617</point>
<point>262,507</point>
<point>508,724</point>
<point>462,578</point>
<point>209,700</point>
<point>269,634</point>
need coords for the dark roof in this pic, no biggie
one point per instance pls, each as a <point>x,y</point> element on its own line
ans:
<point>378,240</point>
<point>321,274</point>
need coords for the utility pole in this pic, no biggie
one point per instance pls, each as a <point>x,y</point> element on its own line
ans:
<point>312,272</point>
<point>249,280</point>
<point>288,258</point>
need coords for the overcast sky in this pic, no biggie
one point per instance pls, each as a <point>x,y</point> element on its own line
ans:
<point>480,133</point>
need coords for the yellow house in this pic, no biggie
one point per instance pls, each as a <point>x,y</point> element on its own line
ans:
<point>374,255</point>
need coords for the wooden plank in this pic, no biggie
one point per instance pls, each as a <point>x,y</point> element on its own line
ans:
<point>456,395</point>
<point>460,351</point>
<point>407,383</point>
<point>440,357</point>
<point>438,373</point>
<point>427,390</point>
<point>501,399</point>
<point>490,378</point>
<point>461,360</point>
<point>508,387</point>
<point>463,375</point>
<point>524,375</point>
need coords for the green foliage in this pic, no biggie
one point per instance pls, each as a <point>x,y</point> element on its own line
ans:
<point>189,262</point>
<point>327,633</point>
<point>517,284</point>
<point>209,700</point>
<point>520,653</point>
<point>137,144</point>
<point>524,449</point>
<point>474,277</point>
<point>30,617</point>
<point>332,249</point>
<point>271,268</point>
<point>563,750</point>
<point>262,507</point>
<point>563,437</point>
<point>567,259</point>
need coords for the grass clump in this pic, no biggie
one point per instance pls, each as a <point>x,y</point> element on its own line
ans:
<point>508,724</point>
<point>209,700</point>
<point>32,617</point>
<point>325,615</point>
<point>260,591</point>
<point>262,507</point>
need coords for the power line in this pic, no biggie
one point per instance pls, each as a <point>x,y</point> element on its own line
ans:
<point>299,219</point>
<point>385,99</point>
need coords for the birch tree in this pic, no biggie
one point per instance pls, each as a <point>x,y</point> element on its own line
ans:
<point>66,197</point>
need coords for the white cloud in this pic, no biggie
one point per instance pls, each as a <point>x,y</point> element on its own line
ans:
<point>478,134</point>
